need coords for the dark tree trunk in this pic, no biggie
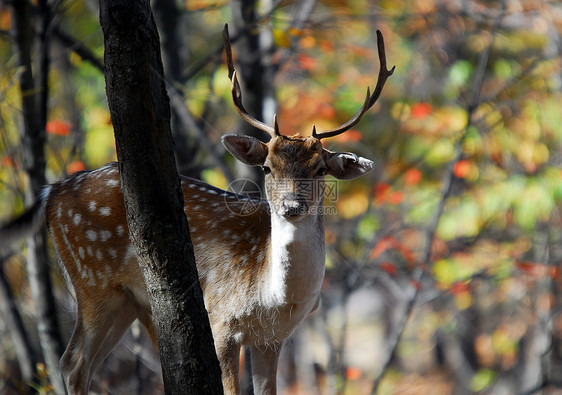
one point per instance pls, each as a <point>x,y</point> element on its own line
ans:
<point>34,114</point>
<point>140,112</point>
<point>170,20</point>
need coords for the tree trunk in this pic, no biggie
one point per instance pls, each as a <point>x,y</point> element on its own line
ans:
<point>158,228</point>
<point>170,21</point>
<point>34,105</point>
<point>255,73</point>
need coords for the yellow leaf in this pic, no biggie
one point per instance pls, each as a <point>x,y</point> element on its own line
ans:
<point>281,38</point>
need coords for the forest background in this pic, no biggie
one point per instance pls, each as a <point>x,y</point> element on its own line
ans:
<point>443,264</point>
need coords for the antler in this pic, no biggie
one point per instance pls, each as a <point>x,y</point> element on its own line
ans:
<point>237,92</point>
<point>369,100</point>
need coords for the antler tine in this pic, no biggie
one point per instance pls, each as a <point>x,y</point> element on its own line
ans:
<point>370,100</point>
<point>237,92</point>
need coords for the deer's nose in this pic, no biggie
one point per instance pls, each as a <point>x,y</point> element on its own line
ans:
<point>292,206</point>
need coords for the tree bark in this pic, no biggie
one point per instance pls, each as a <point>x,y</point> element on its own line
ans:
<point>140,113</point>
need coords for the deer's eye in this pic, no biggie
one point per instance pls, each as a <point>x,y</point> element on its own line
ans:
<point>321,172</point>
<point>266,170</point>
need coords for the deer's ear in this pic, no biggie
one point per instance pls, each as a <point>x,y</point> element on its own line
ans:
<point>246,149</point>
<point>345,165</point>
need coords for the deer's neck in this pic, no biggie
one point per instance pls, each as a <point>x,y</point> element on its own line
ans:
<point>296,260</point>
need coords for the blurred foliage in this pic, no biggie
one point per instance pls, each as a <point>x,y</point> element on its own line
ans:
<point>496,242</point>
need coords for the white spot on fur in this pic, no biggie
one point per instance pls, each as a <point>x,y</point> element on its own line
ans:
<point>112,253</point>
<point>112,183</point>
<point>105,235</point>
<point>69,212</point>
<point>91,279</point>
<point>120,230</point>
<point>91,235</point>
<point>99,255</point>
<point>81,252</point>
<point>92,205</point>
<point>105,211</point>
<point>102,278</point>
<point>77,218</point>
<point>89,251</point>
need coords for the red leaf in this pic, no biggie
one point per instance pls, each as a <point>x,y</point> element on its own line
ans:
<point>389,268</point>
<point>396,197</point>
<point>459,287</point>
<point>416,284</point>
<point>58,127</point>
<point>421,110</point>
<point>412,176</point>
<point>380,191</point>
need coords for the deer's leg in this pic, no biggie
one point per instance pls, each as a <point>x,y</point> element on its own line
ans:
<point>264,368</point>
<point>98,329</point>
<point>228,353</point>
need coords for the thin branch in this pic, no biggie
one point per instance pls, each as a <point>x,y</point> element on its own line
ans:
<point>77,47</point>
<point>27,358</point>
<point>419,273</point>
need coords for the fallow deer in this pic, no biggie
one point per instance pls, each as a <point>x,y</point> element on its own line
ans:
<point>261,270</point>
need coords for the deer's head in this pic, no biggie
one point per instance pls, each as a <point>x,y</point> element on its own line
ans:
<point>295,166</point>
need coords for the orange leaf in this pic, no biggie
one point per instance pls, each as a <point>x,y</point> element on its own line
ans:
<point>421,110</point>
<point>459,287</point>
<point>307,62</point>
<point>350,136</point>
<point>327,46</point>
<point>8,161</point>
<point>412,176</point>
<point>384,244</point>
<point>389,268</point>
<point>396,197</point>
<point>461,168</point>
<point>75,167</point>
<point>352,373</point>
<point>58,127</point>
